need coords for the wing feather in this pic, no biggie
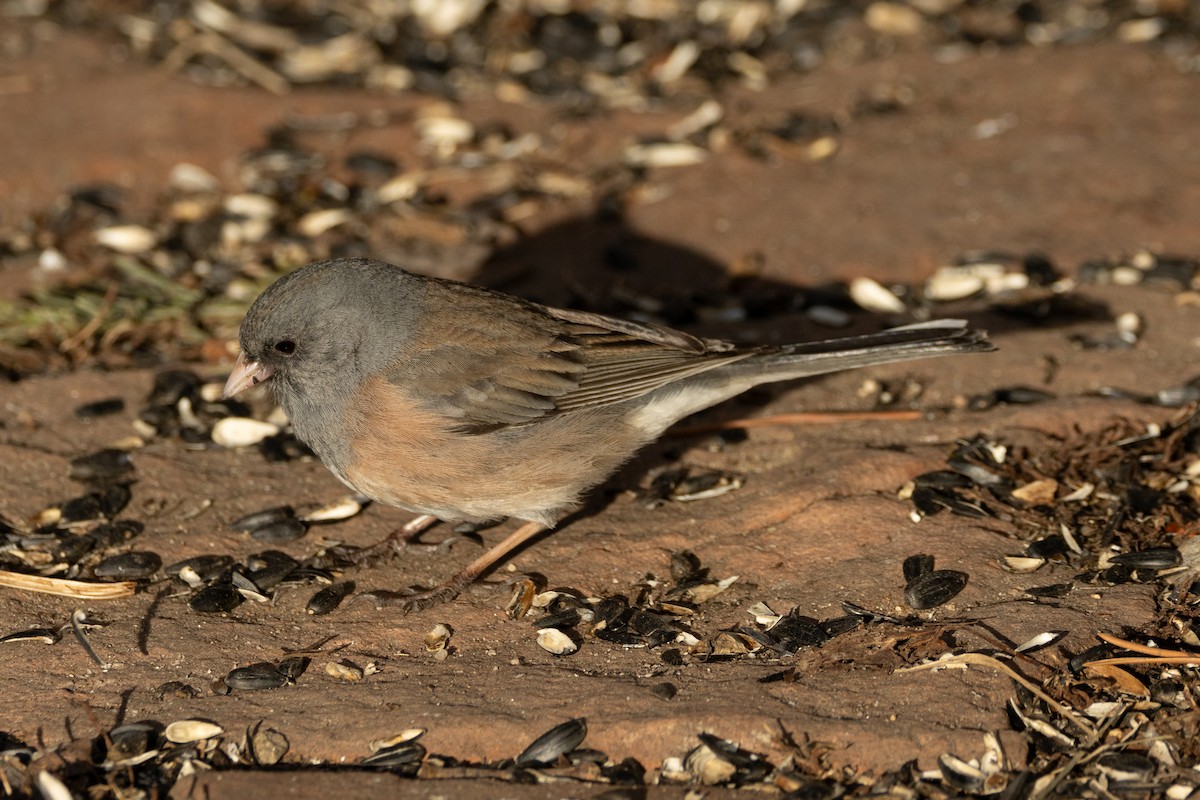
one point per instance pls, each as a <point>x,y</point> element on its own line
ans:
<point>535,361</point>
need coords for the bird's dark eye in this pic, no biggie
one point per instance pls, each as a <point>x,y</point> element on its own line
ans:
<point>285,346</point>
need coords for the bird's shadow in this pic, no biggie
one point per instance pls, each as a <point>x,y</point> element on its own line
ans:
<point>602,263</point>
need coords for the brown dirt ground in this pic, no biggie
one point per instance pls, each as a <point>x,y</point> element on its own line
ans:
<point>1100,161</point>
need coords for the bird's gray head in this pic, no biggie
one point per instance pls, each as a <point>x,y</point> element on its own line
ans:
<point>316,333</point>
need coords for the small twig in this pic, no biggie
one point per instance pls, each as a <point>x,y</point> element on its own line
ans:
<point>216,45</point>
<point>78,618</point>
<point>1145,649</point>
<point>1189,660</point>
<point>1056,777</point>
<point>980,659</point>
<point>136,271</point>
<point>93,325</point>
<point>63,587</point>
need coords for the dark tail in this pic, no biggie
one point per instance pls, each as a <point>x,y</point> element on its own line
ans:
<point>924,340</point>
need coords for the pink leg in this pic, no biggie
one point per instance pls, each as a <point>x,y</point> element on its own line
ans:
<point>416,525</point>
<point>448,590</point>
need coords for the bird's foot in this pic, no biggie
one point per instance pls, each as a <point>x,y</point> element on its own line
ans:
<point>444,592</point>
<point>396,542</point>
<point>412,600</point>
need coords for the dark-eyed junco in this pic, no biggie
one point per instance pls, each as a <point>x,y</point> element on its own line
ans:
<point>465,404</point>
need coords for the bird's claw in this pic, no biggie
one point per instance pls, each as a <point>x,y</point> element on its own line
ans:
<point>429,598</point>
<point>409,601</point>
<point>377,553</point>
<point>397,542</point>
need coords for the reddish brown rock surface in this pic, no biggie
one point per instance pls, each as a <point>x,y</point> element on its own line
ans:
<point>1099,160</point>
